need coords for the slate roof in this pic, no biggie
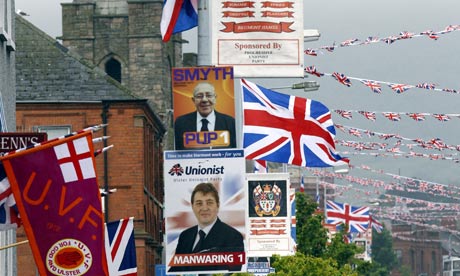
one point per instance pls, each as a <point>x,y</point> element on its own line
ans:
<point>47,71</point>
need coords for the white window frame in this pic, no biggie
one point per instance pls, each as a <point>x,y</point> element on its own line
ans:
<point>54,131</point>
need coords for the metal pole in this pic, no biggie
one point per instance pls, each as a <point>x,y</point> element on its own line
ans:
<point>204,38</point>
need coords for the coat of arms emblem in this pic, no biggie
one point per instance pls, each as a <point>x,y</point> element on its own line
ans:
<point>267,198</point>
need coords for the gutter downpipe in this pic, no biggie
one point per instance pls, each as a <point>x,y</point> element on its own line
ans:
<point>104,115</point>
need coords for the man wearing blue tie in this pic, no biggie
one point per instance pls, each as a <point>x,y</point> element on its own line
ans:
<point>205,118</point>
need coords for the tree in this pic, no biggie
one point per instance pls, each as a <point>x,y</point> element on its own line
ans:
<point>302,265</point>
<point>382,250</point>
<point>311,235</point>
<point>343,253</point>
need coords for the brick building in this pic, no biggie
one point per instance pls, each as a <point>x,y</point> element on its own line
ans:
<point>59,92</point>
<point>418,248</point>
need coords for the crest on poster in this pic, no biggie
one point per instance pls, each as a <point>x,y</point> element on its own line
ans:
<point>267,199</point>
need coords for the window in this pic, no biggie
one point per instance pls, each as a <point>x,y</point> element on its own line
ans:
<point>113,69</point>
<point>53,131</point>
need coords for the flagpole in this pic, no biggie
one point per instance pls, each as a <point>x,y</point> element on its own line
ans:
<point>13,244</point>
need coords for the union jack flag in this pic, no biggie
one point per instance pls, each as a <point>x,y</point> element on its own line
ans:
<point>342,79</point>
<point>357,218</point>
<point>369,115</point>
<point>390,39</point>
<point>302,185</point>
<point>400,88</point>
<point>374,86</point>
<point>376,225</point>
<point>371,39</point>
<point>329,48</point>
<point>344,113</point>
<point>312,70</point>
<point>429,86</point>
<point>438,143</point>
<point>430,34</point>
<point>449,90</point>
<point>120,248</point>
<point>176,170</point>
<point>448,29</point>
<point>9,214</point>
<point>260,166</point>
<point>293,216</point>
<point>417,116</point>
<point>392,116</point>
<point>406,35</point>
<point>355,132</point>
<point>311,52</point>
<point>349,42</point>
<point>287,129</point>
<point>441,117</point>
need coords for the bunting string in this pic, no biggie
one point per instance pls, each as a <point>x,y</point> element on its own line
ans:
<point>450,157</point>
<point>396,116</point>
<point>401,212</point>
<point>376,85</point>
<point>434,143</point>
<point>402,180</point>
<point>404,35</point>
<point>420,215</point>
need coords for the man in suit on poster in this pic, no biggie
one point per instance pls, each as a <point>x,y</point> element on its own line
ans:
<point>205,118</point>
<point>211,234</point>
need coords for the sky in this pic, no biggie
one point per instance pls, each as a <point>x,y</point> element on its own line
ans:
<point>410,61</point>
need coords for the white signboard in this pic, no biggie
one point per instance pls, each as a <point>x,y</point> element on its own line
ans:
<point>205,191</point>
<point>258,38</point>
<point>268,219</point>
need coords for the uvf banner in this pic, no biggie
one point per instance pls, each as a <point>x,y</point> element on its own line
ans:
<point>57,195</point>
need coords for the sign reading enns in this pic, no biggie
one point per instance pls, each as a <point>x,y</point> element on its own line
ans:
<point>14,140</point>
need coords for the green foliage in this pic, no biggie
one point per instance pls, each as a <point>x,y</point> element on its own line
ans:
<point>382,249</point>
<point>311,235</point>
<point>342,252</point>
<point>302,265</point>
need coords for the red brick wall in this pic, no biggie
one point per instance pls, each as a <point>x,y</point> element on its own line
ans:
<point>128,123</point>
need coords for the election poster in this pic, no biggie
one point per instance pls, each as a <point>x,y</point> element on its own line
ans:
<point>258,38</point>
<point>268,219</point>
<point>205,211</point>
<point>204,108</point>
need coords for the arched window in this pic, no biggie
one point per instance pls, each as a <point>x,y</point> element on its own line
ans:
<point>113,69</point>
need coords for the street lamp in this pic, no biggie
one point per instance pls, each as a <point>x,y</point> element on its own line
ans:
<point>307,86</point>
<point>341,169</point>
<point>310,35</point>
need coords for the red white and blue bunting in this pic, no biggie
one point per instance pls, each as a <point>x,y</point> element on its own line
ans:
<point>404,35</point>
<point>397,116</point>
<point>376,85</point>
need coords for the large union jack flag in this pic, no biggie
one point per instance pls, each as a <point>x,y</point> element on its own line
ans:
<point>287,129</point>
<point>120,248</point>
<point>357,218</point>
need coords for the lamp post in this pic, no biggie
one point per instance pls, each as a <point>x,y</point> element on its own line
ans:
<point>307,86</point>
<point>310,35</point>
